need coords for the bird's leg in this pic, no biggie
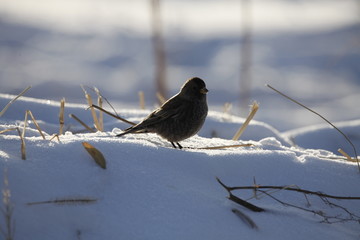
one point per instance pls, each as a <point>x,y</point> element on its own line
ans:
<point>180,147</point>
<point>173,144</point>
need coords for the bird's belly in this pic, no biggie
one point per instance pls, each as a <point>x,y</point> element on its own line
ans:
<point>176,131</point>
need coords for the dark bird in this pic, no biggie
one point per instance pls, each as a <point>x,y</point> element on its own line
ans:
<point>180,117</point>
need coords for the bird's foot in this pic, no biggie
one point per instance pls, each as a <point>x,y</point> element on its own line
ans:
<point>180,147</point>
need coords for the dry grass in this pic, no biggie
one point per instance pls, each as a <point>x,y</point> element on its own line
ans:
<point>100,104</point>
<point>95,154</point>
<point>82,123</point>
<point>337,129</point>
<point>93,113</point>
<point>61,116</point>
<point>347,156</point>
<point>253,111</point>
<point>22,147</point>
<point>28,112</point>
<point>13,100</point>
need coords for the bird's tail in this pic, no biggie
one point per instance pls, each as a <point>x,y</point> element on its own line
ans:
<point>132,130</point>
<point>126,131</point>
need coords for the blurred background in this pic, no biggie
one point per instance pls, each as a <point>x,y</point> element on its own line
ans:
<point>308,49</point>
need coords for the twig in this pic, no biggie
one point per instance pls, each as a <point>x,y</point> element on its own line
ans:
<point>22,137</point>
<point>61,115</point>
<point>324,197</point>
<point>55,136</point>
<point>35,123</point>
<point>302,105</point>
<point>22,148</point>
<point>13,100</point>
<point>254,109</point>
<point>8,130</point>
<point>350,159</point>
<point>81,122</point>
<point>239,200</point>
<point>102,96</point>
<point>113,115</point>
<point>256,187</point>
<point>100,103</point>
<point>93,113</point>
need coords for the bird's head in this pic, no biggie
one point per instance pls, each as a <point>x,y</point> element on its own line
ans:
<point>194,88</point>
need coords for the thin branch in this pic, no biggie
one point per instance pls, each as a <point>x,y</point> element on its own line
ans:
<point>82,123</point>
<point>239,200</point>
<point>252,113</point>
<point>113,115</point>
<point>35,123</point>
<point>295,190</point>
<point>13,100</point>
<point>61,116</point>
<point>302,105</point>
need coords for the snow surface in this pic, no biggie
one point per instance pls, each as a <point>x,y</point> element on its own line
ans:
<point>307,49</point>
<point>151,191</point>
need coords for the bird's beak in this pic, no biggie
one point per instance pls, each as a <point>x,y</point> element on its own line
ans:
<point>204,90</point>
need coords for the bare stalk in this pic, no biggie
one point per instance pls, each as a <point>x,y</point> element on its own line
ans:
<point>302,105</point>
<point>61,115</point>
<point>13,100</point>
<point>35,123</point>
<point>253,111</point>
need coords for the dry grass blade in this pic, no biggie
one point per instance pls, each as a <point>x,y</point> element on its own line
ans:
<point>228,146</point>
<point>254,109</point>
<point>22,137</point>
<point>100,103</point>
<point>61,116</point>
<point>350,159</point>
<point>113,115</point>
<point>8,130</point>
<point>81,122</point>
<point>55,136</point>
<point>23,152</point>
<point>13,100</point>
<point>35,123</point>
<point>96,154</point>
<point>302,105</point>
<point>141,100</point>
<point>93,113</point>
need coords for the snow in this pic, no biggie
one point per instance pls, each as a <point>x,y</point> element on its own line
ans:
<point>150,190</point>
<point>306,49</point>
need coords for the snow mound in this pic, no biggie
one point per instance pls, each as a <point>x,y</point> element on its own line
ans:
<point>150,190</point>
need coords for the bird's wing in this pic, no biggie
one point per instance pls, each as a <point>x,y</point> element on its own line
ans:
<point>171,109</point>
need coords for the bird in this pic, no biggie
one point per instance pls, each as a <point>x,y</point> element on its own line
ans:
<point>180,117</point>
